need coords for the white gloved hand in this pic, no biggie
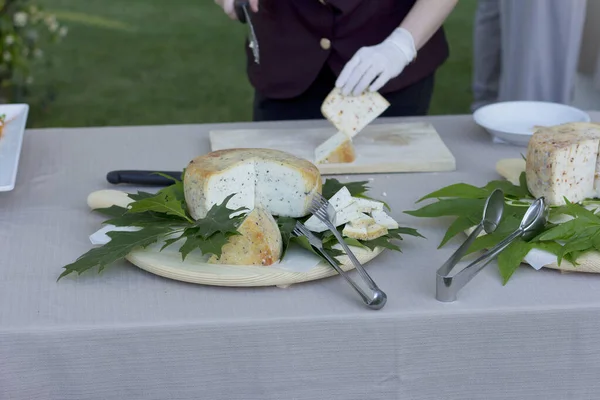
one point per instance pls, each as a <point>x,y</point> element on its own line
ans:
<point>383,61</point>
<point>227,6</point>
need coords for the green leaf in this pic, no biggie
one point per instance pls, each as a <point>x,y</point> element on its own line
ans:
<point>523,184</point>
<point>120,245</point>
<point>286,228</point>
<point>449,207</point>
<point>140,195</point>
<point>458,190</point>
<point>332,186</point>
<point>511,258</point>
<point>210,245</point>
<point>509,189</point>
<point>382,241</point>
<point>169,200</point>
<point>148,218</point>
<point>112,211</point>
<point>460,225</point>
<point>353,242</point>
<point>404,231</point>
<point>219,220</point>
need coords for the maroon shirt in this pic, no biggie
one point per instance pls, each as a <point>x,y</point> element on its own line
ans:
<point>297,38</point>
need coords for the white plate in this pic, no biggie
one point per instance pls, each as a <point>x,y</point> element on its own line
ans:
<point>11,142</point>
<point>514,121</point>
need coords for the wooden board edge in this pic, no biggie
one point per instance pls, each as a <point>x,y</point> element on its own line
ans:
<point>249,276</point>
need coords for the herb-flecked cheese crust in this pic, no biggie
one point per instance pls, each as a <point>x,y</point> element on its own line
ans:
<point>279,182</point>
<point>259,242</point>
<point>560,166</point>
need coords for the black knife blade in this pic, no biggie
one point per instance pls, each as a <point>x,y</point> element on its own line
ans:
<point>138,177</point>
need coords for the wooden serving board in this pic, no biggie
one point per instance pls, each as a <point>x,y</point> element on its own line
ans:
<point>195,269</point>
<point>380,148</point>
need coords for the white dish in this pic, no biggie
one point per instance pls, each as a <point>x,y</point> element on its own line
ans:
<point>514,121</point>
<point>11,142</point>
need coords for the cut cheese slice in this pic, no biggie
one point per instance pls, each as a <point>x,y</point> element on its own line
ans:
<point>342,216</point>
<point>362,221</point>
<point>369,233</point>
<point>336,149</point>
<point>383,219</point>
<point>259,242</point>
<point>279,182</point>
<point>561,166</point>
<point>366,206</point>
<point>350,114</point>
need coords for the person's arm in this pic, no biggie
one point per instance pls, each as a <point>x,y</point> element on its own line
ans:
<point>425,18</point>
<point>376,65</point>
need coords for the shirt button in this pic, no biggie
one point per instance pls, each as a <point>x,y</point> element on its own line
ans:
<point>325,44</point>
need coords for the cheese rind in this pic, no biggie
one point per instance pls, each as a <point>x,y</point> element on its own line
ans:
<point>350,114</point>
<point>369,233</point>
<point>336,149</point>
<point>560,166</point>
<point>259,242</point>
<point>282,183</point>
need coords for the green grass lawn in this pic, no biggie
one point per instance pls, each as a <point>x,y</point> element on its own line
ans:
<point>141,62</point>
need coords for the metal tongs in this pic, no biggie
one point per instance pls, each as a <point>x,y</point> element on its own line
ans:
<point>241,10</point>
<point>534,220</point>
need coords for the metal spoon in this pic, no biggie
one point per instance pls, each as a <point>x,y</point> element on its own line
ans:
<point>533,221</point>
<point>492,214</point>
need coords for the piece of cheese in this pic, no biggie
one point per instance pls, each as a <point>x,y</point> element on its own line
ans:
<point>259,242</point>
<point>369,233</point>
<point>342,216</point>
<point>366,205</point>
<point>340,200</point>
<point>383,219</point>
<point>561,166</point>
<point>279,182</point>
<point>350,114</point>
<point>336,149</point>
<point>584,129</point>
<point>362,221</point>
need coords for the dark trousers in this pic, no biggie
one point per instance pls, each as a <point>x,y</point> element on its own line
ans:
<point>412,100</point>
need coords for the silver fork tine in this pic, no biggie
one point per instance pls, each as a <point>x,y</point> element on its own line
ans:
<point>301,230</point>
<point>325,212</point>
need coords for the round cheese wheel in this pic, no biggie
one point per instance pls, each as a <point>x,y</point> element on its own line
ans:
<point>279,182</point>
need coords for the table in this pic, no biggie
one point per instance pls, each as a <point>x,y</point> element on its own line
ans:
<point>127,334</point>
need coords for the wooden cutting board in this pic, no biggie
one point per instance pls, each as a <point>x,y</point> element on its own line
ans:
<point>380,148</point>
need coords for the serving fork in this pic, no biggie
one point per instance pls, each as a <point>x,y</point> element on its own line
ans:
<point>325,212</point>
<point>301,230</point>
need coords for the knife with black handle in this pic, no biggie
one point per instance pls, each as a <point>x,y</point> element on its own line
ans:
<point>137,177</point>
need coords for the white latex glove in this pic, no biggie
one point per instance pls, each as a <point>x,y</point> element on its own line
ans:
<point>381,63</point>
<point>227,6</point>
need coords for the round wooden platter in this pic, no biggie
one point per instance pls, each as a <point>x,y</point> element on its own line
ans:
<point>511,170</point>
<point>195,269</point>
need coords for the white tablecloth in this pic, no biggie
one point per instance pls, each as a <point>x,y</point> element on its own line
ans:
<point>128,334</point>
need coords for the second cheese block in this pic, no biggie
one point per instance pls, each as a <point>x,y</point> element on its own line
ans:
<point>584,129</point>
<point>561,166</point>
<point>279,182</point>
